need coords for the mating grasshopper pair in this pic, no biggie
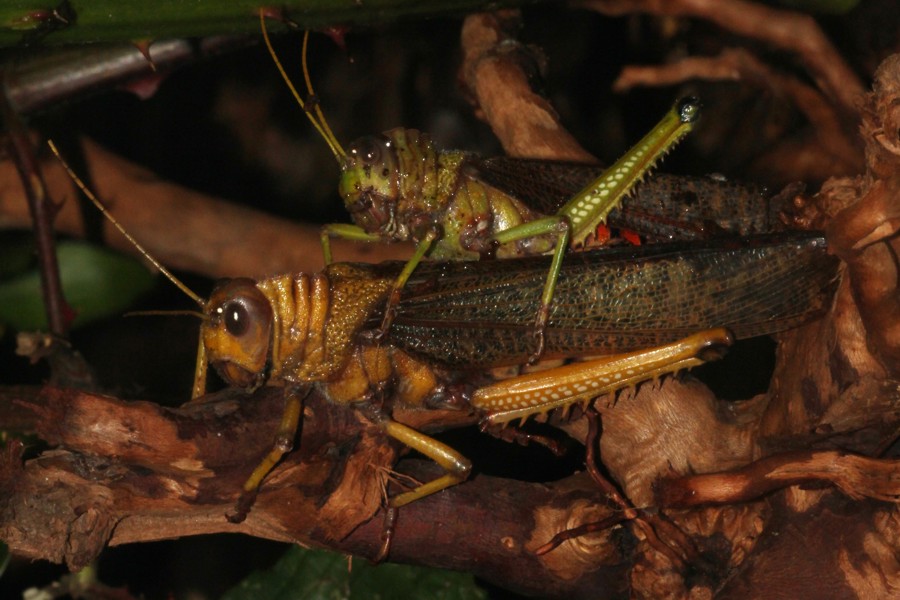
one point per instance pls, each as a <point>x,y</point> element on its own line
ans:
<point>304,331</point>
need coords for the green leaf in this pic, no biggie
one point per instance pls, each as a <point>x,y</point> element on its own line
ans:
<point>300,573</point>
<point>404,581</point>
<point>321,575</point>
<point>96,282</point>
<point>133,20</point>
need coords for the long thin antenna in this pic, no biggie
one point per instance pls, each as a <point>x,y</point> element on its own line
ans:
<point>166,313</point>
<point>312,93</point>
<point>100,206</point>
<point>321,124</point>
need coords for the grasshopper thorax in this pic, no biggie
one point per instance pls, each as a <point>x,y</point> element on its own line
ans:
<point>237,332</point>
<point>385,178</point>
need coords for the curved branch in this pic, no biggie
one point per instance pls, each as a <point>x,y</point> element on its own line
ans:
<point>839,149</point>
<point>792,31</point>
<point>133,471</point>
<point>182,228</point>
<point>494,73</point>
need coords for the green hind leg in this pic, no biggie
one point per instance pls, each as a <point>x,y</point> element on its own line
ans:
<point>579,217</point>
<point>590,207</point>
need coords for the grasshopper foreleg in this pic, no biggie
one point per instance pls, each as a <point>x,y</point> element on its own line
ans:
<point>344,231</point>
<point>422,249</point>
<point>558,225</point>
<point>284,443</point>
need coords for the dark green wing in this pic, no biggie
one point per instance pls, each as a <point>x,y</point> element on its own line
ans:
<point>478,314</point>
<point>664,207</point>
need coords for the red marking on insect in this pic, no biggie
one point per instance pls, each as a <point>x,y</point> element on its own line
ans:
<point>602,234</point>
<point>35,16</point>
<point>631,237</point>
<point>144,87</point>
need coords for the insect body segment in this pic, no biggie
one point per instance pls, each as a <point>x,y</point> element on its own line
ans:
<point>294,328</point>
<point>398,187</point>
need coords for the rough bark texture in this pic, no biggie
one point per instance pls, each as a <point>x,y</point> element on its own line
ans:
<point>128,472</point>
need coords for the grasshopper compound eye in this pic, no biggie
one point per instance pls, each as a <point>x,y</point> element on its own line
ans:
<point>237,319</point>
<point>368,150</point>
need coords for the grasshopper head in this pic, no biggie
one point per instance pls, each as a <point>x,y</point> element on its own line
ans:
<point>237,332</point>
<point>370,183</point>
<point>383,177</point>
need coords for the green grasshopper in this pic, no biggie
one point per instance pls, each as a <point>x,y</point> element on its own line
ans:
<point>397,187</point>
